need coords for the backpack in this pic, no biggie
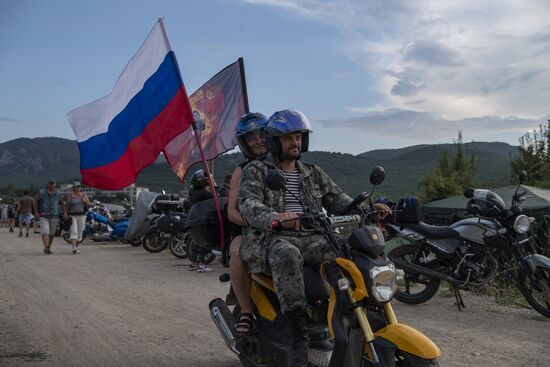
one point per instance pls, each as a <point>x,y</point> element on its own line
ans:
<point>407,210</point>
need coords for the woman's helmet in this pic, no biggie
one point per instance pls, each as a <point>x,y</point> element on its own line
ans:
<point>250,122</point>
<point>286,122</point>
<point>198,180</point>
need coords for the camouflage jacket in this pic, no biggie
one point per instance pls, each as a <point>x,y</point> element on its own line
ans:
<point>259,205</point>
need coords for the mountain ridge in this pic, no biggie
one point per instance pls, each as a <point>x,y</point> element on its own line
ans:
<point>30,161</point>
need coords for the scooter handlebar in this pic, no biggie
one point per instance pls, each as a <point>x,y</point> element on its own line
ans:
<point>335,221</point>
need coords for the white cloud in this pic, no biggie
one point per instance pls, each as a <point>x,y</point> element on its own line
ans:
<point>459,60</point>
<point>414,125</point>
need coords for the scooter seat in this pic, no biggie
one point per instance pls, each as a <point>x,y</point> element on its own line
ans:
<point>434,232</point>
<point>316,287</point>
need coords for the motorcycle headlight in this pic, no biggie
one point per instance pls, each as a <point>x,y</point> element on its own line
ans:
<point>383,282</point>
<point>522,224</point>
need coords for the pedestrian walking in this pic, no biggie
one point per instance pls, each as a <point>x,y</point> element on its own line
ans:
<point>75,206</point>
<point>48,207</point>
<point>3,215</point>
<point>11,214</point>
<point>25,208</point>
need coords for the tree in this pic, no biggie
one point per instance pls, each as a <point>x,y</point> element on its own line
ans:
<point>450,177</point>
<point>534,157</point>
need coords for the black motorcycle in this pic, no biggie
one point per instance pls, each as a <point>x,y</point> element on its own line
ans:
<point>471,251</point>
<point>164,221</point>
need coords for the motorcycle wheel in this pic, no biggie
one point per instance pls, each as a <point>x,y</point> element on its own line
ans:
<point>66,236</point>
<point>136,242</point>
<point>412,288</point>
<point>209,258</point>
<point>408,360</point>
<point>179,244</point>
<point>153,243</point>
<point>531,286</point>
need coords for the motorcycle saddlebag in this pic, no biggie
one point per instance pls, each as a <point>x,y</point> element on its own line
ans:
<point>203,223</point>
<point>408,210</point>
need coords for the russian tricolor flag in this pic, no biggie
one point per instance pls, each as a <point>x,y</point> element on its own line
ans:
<point>122,133</point>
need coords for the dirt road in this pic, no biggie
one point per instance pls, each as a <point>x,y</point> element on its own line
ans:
<point>115,305</point>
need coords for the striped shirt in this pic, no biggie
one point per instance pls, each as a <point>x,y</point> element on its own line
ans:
<point>292,204</point>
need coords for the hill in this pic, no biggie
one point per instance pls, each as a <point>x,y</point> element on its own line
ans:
<point>25,162</point>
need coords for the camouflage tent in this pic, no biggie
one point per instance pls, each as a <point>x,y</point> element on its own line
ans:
<point>449,210</point>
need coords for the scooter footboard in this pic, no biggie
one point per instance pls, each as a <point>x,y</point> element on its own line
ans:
<point>410,340</point>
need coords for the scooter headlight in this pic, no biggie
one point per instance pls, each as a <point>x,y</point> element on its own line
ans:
<point>383,282</point>
<point>522,224</point>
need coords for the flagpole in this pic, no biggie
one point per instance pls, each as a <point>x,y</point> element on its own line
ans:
<point>195,132</point>
<point>243,82</point>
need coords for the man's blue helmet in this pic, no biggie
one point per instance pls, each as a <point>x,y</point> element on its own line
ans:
<point>250,122</point>
<point>286,122</point>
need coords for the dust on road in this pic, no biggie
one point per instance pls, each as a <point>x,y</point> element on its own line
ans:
<point>117,305</point>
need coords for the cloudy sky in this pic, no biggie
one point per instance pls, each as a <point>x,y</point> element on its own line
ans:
<point>369,74</point>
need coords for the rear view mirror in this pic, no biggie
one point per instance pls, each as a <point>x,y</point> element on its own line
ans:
<point>522,177</point>
<point>276,180</point>
<point>377,175</point>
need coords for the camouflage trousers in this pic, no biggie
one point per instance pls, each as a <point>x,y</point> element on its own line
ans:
<point>286,257</point>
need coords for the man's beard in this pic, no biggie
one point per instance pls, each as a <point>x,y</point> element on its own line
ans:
<point>288,156</point>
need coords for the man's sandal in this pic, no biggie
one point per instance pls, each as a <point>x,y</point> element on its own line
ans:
<point>244,325</point>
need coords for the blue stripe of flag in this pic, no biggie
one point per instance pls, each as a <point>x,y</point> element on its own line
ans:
<point>156,94</point>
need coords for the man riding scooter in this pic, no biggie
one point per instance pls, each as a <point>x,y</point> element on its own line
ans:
<point>309,190</point>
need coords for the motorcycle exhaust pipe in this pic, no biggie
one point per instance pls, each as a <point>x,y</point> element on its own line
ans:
<point>419,269</point>
<point>224,321</point>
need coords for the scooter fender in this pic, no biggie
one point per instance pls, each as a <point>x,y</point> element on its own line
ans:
<point>537,261</point>
<point>410,340</point>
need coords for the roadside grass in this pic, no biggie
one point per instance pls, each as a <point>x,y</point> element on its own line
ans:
<point>504,292</point>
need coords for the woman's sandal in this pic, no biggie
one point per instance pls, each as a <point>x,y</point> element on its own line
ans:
<point>244,325</point>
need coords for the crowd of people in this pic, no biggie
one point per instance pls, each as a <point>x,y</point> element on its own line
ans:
<point>42,213</point>
<point>270,143</point>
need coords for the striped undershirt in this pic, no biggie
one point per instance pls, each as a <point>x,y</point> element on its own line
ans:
<point>293,185</point>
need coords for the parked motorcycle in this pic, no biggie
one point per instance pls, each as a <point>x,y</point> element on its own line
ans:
<point>350,318</point>
<point>164,221</point>
<point>202,224</point>
<point>470,251</point>
<point>115,229</point>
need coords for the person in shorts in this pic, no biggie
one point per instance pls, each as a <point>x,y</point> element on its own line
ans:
<point>24,210</point>
<point>49,205</point>
<point>75,206</point>
<point>11,214</point>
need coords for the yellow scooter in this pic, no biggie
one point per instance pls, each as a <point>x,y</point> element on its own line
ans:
<point>351,321</point>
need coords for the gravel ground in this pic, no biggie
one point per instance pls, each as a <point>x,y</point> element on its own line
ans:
<point>116,305</point>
